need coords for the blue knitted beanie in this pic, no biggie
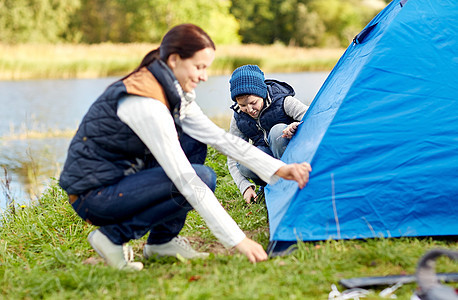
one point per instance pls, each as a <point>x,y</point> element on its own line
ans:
<point>248,80</point>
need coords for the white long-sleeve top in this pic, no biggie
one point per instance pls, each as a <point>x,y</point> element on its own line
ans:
<point>154,125</point>
<point>293,108</point>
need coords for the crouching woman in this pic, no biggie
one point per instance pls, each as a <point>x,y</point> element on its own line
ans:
<point>135,165</point>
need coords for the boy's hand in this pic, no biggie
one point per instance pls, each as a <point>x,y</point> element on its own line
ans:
<point>290,130</point>
<point>249,194</point>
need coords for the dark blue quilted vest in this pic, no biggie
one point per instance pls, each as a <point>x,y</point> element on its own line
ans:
<point>273,113</point>
<point>104,149</point>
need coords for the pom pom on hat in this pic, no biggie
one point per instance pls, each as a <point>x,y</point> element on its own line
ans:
<point>248,80</point>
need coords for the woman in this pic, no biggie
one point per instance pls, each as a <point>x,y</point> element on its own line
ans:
<point>135,164</point>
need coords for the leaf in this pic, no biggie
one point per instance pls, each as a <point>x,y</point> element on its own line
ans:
<point>194,278</point>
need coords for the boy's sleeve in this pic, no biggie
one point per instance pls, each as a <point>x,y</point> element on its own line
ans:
<point>295,108</point>
<point>241,181</point>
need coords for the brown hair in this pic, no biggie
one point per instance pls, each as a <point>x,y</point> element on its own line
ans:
<point>184,40</point>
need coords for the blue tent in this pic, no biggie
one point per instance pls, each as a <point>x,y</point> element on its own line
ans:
<point>381,136</point>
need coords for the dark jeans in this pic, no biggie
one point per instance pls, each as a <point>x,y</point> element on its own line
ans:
<point>144,201</point>
<point>277,145</point>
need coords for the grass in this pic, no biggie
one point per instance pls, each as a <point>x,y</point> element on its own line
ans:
<point>44,254</point>
<point>46,61</point>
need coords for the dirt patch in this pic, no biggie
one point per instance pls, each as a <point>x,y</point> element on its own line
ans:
<point>252,234</point>
<point>197,243</point>
<point>218,248</point>
<point>212,247</point>
<point>93,260</point>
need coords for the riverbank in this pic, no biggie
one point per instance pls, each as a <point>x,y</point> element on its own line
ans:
<point>44,254</point>
<point>45,61</point>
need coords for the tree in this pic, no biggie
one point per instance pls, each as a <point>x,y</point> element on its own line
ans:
<point>256,20</point>
<point>212,16</point>
<point>309,23</point>
<point>148,20</point>
<point>310,29</point>
<point>283,23</point>
<point>36,20</point>
<point>343,19</point>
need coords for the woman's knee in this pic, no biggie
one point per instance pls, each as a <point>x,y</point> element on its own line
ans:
<point>195,151</point>
<point>207,175</point>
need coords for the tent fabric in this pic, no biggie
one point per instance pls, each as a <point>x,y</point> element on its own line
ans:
<point>381,135</point>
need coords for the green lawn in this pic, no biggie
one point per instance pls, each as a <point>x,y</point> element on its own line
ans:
<point>44,254</point>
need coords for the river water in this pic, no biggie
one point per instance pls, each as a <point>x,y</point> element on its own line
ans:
<point>36,106</point>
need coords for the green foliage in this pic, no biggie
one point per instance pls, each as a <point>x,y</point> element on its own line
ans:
<point>212,16</point>
<point>308,23</point>
<point>37,20</point>
<point>310,28</point>
<point>256,20</point>
<point>221,25</point>
<point>147,21</point>
<point>343,19</point>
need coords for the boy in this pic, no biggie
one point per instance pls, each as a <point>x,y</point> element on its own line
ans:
<point>266,113</point>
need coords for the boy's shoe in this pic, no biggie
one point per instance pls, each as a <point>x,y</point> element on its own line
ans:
<point>178,245</point>
<point>117,256</point>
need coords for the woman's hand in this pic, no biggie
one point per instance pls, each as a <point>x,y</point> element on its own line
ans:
<point>290,130</point>
<point>252,250</point>
<point>249,194</point>
<point>297,172</point>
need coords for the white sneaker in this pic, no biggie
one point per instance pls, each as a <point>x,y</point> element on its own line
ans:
<point>117,256</point>
<point>178,245</point>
